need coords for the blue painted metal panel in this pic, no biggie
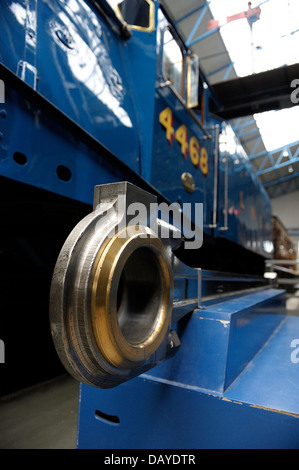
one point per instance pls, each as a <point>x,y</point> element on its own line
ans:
<point>159,415</point>
<point>79,65</point>
<point>247,207</point>
<point>142,49</point>
<point>169,164</point>
<point>168,409</point>
<point>215,346</point>
<point>168,161</point>
<point>48,140</point>
<point>272,379</point>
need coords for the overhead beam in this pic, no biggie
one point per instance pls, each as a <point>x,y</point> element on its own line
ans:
<point>256,93</point>
<point>281,180</point>
<point>277,167</point>
<point>279,163</point>
<point>190,13</point>
<point>189,41</point>
<point>286,185</point>
<point>275,151</point>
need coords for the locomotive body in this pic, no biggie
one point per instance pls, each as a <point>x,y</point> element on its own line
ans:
<point>132,96</point>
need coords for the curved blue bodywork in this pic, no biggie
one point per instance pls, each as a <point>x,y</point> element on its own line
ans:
<point>69,54</point>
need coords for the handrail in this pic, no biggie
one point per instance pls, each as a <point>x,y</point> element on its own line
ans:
<point>216,158</point>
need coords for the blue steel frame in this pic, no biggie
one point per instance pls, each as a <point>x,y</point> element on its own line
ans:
<point>227,67</point>
<point>282,186</point>
<point>189,40</point>
<point>276,159</point>
<point>279,160</point>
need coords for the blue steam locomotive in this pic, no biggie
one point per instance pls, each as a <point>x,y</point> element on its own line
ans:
<point>105,95</point>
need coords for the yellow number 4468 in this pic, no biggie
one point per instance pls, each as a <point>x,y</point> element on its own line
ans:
<point>198,155</point>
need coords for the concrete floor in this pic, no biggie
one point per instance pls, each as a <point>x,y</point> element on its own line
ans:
<point>44,417</point>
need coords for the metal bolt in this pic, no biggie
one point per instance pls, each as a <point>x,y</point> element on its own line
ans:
<point>65,38</point>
